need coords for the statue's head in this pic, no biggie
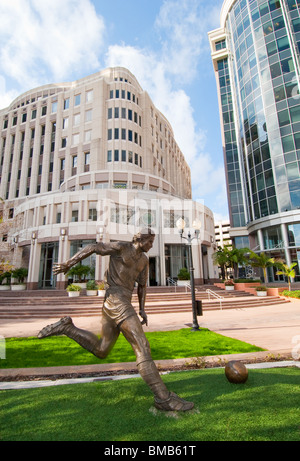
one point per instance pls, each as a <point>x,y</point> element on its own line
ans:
<point>144,239</point>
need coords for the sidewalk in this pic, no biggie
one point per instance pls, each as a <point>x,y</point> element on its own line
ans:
<point>274,328</point>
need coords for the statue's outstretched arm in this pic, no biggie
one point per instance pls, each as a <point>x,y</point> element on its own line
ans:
<point>82,254</point>
<point>100,248</point>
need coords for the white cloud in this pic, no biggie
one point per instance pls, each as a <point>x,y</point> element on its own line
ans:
<point>6,97</point>
<point>183,26</point>
<point>183,32</point>
<point>48,39</point>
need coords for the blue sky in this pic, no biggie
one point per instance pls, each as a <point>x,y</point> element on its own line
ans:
<point>163,42</point>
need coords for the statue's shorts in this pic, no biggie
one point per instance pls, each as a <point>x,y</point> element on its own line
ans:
<point>117,307</point>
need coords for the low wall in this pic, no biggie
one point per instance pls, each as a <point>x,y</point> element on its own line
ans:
<point>276,291</point>
<point>250,288</point>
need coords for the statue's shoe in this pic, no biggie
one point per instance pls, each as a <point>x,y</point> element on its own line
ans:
<point>173,403</point>
<point>55,329</point>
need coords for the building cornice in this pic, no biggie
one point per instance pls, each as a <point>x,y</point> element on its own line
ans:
<point>227,5</point>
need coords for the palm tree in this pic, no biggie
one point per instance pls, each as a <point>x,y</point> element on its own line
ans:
<point>287,271</point>
<point>221,259</point>
<point>238,257</point>
<point>263,261</point>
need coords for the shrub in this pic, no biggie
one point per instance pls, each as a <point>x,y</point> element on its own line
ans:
<point>183,274</point>
<point>80,271</point>
<point>229,283</point>
<point>20,274</point>
<point>91,285</point>
<point>73,287</point>
<point>246,280</point>
<point>101,286</point>
<point>261,288</point>
<point>291,294</point>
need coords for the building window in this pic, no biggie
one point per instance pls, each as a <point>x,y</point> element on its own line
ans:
<point>74,216</point>
<point>109,113</point>
<point>109,134</point>
<point>74,161</point>
<point>66,103</point>
<point>24,117</point>
<point>64,142</point>
<point>123,155</point>
<point>76,119</point>
<point>116,155</point>
<point>220,45</point>
<point>92,214</point>
<point>44,110</point>
<point>54,107</point>
<point>62,164</point>
<point>109,155</point>
<point>77,100</point>
<point>87,158</point>
<point>65,123</point>
<point>89,96</point>
<point>88,136</point>
<point>15,121</point>
<point>75,139</point>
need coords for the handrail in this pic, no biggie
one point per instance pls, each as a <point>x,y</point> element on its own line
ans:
<point>172,282</point>
<point>213,293</point>
<point>188,286</point>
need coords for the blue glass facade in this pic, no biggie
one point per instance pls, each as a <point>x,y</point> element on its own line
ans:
<point>263,40</point>
<point>256,57</point>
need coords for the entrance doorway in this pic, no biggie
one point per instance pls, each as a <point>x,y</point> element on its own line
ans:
<point>152,272</point>
<point>49,255</point>
<point>176,257</point>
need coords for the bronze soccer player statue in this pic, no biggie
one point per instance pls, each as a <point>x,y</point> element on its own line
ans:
<point>128,264</point>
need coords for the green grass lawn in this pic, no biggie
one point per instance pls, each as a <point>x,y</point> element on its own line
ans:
<point>61,351</point>
<point>265,408</point>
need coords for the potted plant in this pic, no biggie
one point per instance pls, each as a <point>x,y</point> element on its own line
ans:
<point>91,288</point>
<point>183,276</point>
<point>101,288</point>
<point>80,272</point>
<point>19,274</point>
<point>229,285</point>
<point>5,276</point>
<point>261,291</point>
<point>73,290</point>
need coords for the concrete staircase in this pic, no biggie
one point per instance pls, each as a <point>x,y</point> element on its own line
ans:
<point>56,304</point>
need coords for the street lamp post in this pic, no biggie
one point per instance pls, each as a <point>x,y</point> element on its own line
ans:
<point>197,226</point>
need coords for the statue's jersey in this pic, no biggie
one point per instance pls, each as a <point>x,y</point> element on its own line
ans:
<point>126,267</point>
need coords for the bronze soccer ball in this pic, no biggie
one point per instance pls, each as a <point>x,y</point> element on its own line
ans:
<point>236,372</point>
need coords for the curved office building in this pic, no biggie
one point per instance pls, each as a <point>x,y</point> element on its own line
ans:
<point>256,55</point>
<point>94,159</point>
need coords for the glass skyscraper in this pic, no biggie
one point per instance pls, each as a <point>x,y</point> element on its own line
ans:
<point>256,57</point>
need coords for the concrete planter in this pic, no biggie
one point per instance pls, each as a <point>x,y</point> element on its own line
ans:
<point>4,287</point>
<point>73,294</point>
<point>91,292</point>
<point>20,287</point>
<point>261,293</point>
<point>182,283</point>
<point>229,287</point>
